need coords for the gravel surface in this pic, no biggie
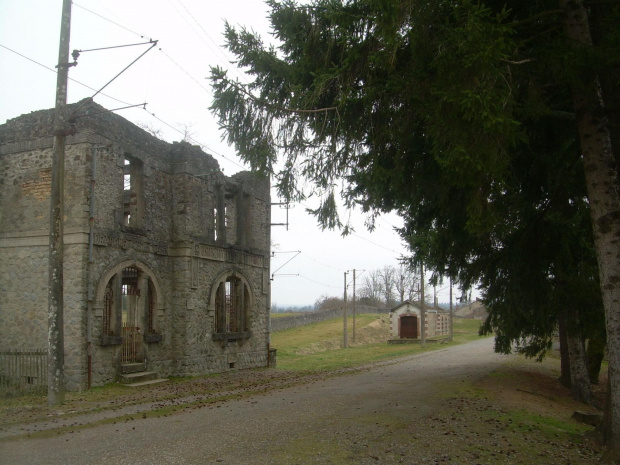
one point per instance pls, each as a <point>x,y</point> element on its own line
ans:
<point>411,411</point>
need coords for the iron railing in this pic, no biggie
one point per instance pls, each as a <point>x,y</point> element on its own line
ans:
<point>23,372</point>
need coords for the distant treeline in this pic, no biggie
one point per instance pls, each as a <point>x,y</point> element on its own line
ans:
<point>275,308</point>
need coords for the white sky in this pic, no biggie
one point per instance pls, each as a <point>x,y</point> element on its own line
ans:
<point>172,79</point>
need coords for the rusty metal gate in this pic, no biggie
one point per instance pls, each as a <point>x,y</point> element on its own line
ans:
<point>132,344</point>
<point>132,341</point>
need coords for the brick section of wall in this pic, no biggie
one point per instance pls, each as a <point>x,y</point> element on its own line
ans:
<point>40,188</point>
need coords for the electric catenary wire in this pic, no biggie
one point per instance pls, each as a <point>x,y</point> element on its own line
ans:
<point>56,72</point>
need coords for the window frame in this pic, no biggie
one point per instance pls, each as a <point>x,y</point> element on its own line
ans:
<point>232,303</point>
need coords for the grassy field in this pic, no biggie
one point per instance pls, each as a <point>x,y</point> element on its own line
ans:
<point>319,346</point>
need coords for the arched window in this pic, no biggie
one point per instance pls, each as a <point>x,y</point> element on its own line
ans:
<point>232,308</point>
<point>129,307</point>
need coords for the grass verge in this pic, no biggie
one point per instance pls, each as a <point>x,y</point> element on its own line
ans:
<point>319,346</point>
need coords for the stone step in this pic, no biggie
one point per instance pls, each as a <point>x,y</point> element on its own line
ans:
<point>133,367</point>
<point>140,377</point>
<point>147,383</point>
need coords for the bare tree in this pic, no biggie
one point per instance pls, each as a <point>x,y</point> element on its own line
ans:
<point>371,286</point>
<point>187,131</point>
<point>406,283</point>
<point>388,274</point>
<point>148,127</point>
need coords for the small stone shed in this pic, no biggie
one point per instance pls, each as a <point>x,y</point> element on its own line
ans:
<point>166,259</point>
<point>406,321</point>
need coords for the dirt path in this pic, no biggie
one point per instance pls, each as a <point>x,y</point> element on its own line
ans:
<point>413,411</point>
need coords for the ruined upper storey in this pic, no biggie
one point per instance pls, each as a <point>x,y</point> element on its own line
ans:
<point>145,187</point>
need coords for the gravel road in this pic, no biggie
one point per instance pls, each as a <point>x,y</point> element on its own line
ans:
<point>359,418</point>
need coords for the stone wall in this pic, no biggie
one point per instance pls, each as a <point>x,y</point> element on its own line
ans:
<point>164,225</point>
<point>294,321</point>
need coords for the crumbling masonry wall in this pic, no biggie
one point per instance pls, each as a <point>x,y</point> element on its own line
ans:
<point>165,209</point>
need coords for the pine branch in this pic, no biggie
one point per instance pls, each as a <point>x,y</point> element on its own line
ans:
<point>537,17</point>
<point>521,62</point>
<point>267,105</point>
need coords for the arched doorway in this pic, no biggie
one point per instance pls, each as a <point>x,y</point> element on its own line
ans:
<point>133,315</point>
<point>131,301</point>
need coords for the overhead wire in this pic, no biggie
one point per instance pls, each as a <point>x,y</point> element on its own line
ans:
<point>217,49</point>
<point>192,139</point>
<point>110,21</point>
<point>129,105</point>
<point>56,72</point>
<point>175,62</point>
<point>317,282</point>
<point>323,264</point>
<point>201,86</point>
<point>186,72</point>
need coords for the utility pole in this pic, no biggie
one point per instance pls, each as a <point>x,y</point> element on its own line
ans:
<point>346,336</point>
<point>56,344</point>
<point>354,307</point>
<point>423,305</point>
<point>451,313</point>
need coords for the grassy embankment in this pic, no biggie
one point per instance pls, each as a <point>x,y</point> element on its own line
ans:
<point>319,346</point>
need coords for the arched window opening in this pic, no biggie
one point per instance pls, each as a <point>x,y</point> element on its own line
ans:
<point>232,304</point>
<point>129,311</point>
<point>133,192</point>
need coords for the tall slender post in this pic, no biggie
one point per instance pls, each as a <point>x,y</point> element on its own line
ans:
<point>345,343</point>
<point>56,343</point>
<point>451,314</point>
<point>423,305</point>
<point>354,307</point>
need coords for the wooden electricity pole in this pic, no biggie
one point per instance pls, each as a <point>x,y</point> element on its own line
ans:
<point>56,345</point>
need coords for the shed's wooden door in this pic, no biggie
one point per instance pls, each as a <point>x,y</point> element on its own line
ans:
<point>409,327</point>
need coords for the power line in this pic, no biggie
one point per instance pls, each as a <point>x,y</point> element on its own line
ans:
<point>196,81</point>
<point>357,235</point>
<point>203,146</point>
<point>186,72</point>
<point>218,48</point>
<point>154,43</point>
<point>322,264</point>
<point>110,21</point>
<point>317,282</point>
<point>374,243</point>
<point>56,72</point>
<point>190,138</point>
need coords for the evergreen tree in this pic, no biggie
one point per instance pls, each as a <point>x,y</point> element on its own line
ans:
<point>481,123</point>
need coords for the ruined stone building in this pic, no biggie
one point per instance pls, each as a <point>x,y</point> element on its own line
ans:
<point>166,260</point>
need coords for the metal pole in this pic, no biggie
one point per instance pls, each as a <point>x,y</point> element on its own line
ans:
<point>423,305</point>
<point>354,307</point>
<point>55,373</point>
<point>451,313</point>
<point>345,336</point>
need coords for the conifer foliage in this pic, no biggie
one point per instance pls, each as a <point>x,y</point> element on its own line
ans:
<point>490,126</point>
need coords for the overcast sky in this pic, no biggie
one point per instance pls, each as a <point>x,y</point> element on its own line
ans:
<point>171,79</point>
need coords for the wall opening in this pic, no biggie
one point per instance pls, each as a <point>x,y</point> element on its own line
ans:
<point>133,192</point>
